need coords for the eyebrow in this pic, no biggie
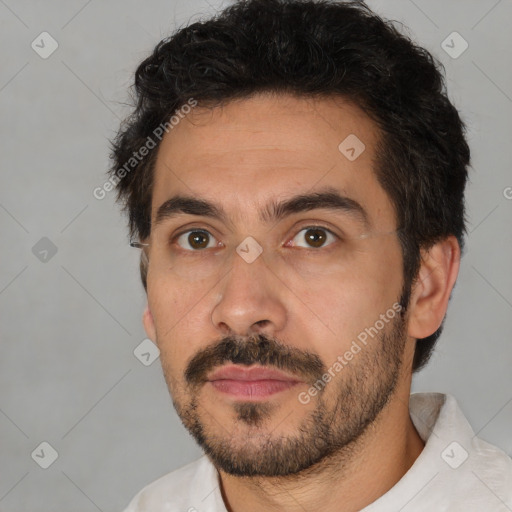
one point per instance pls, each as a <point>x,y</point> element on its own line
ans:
<point>328,199</point>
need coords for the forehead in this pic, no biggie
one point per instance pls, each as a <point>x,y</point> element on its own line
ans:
<point>268,147</point>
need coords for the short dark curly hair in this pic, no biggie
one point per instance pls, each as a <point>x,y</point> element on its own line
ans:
<point>313,49</point>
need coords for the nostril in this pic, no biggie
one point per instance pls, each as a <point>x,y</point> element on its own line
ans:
<point>262,323</point>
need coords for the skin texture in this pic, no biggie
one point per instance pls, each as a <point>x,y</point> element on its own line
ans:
<point>314,301</point>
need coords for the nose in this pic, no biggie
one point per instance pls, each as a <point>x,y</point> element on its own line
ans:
<point>249,300</point>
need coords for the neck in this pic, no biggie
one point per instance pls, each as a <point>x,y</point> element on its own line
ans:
<point>349,481</point>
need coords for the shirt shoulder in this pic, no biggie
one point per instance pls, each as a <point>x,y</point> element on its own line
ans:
<point>474,476</point>
<point>188,489</point>
<point>456,472</point>
<point>491,469</point>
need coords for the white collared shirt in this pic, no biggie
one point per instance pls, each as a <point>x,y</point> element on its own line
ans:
<point>455,472</point>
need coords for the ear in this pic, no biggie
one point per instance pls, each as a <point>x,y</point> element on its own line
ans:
<point>431,291</point>
<point>149,324</point>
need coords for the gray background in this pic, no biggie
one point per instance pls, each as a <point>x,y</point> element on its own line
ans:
<point>69,325</point>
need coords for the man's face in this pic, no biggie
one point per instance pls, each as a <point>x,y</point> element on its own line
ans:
<point>247,326</point>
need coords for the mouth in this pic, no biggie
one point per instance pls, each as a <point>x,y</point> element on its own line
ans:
<point>254,383</point>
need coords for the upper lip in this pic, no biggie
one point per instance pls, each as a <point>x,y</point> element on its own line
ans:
<point>252,373</point>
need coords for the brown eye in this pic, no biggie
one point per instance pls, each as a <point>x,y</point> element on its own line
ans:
<point>196,240</point>
<point>313,237</point>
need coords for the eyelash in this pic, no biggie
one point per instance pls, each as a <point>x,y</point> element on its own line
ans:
<point>204,231</point>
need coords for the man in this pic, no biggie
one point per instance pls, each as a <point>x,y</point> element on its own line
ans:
<point>294,175</point>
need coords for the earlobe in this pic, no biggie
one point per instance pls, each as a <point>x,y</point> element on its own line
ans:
<point>432,289</point>
<point>149,324</point>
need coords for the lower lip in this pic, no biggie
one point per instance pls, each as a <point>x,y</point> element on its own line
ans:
<point>255,389</point>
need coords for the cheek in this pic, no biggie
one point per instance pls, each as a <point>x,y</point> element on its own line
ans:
<point>179,315</point>
<point>334,308</point>
<point>381,285</point>
<point>325,314</point>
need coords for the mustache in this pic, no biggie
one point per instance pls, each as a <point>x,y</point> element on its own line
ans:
<point>254,349</point>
